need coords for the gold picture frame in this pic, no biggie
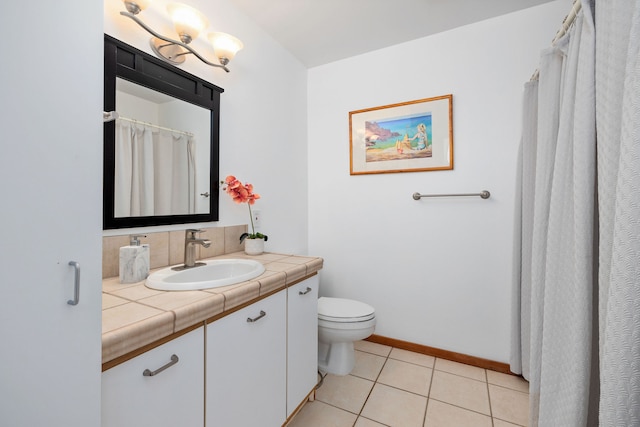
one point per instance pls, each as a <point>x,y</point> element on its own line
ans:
<point>414,136</point>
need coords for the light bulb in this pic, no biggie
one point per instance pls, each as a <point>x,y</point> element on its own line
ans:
<point>188,21</point>
<point>225,46</point>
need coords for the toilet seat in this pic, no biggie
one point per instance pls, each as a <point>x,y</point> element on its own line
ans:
<point>341,310</point>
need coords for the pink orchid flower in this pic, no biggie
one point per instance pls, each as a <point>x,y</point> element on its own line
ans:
<point>243,194</point>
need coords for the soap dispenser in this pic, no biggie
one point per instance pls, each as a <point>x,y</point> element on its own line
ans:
<point>134,260</point>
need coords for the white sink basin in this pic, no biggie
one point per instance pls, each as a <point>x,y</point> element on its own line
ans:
<point>214,274</point>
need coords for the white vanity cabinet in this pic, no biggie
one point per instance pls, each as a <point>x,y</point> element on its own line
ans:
<point>302,341</point>
<point>170,397</point>
<point>252,367</point>
<point>246,366</point>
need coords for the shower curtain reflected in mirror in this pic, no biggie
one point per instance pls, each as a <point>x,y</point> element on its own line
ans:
<point>154,170</point>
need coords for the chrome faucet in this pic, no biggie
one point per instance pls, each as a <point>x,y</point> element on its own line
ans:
<point>190,242</point>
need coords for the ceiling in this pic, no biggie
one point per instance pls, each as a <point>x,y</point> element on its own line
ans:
<point>322,31</point>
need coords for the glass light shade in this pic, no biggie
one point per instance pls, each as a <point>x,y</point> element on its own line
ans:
<point>187,20</point>
<point>225,45</point>
<point>135,6</point>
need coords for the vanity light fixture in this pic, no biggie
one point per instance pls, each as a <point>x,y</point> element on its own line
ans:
<point>189,23</point>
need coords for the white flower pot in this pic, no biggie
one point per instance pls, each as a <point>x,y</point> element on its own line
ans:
<point>253,246</point>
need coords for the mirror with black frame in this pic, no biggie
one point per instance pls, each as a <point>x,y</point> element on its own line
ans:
<point>161,155</point>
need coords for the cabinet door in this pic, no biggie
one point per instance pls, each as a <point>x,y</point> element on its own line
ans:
<point>51,198</point>
<point>246,363</point>
<point>302,341</point>
<point>172,397</point>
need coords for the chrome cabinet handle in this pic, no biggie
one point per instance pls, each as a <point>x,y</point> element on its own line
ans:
<point>76,288</point>
<point>149,373</point>
<point>255,319</point>
<point>305,292</point>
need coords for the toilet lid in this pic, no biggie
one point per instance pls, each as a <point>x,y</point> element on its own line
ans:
<point>344,310</point>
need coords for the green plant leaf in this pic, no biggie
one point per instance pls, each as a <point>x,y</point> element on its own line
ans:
<point>253,236</point>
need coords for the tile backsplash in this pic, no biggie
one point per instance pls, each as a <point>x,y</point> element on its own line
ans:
<point>167,247</point>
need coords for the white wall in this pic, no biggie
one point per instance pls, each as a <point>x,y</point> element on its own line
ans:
<point>263,118</point>
<point>437,271</point>
<point>134,107</point>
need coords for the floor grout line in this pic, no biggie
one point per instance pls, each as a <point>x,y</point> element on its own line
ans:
<point>424,420</point>
<point>371,391</point>
<point>460,407</point>
<point>486,377</point>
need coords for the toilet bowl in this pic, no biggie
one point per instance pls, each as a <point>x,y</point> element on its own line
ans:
<point>340,323</point>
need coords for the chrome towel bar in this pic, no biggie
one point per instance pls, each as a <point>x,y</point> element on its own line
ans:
<point>483,194</point>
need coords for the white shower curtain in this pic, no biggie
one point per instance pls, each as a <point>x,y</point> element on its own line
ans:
<point>618,126</point>
<point>154,171</point>
<point>587,77</point>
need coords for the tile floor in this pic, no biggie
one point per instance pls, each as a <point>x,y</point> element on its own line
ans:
<point>394,387</point>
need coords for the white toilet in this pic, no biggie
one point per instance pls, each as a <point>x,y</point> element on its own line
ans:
<point>340,323</point>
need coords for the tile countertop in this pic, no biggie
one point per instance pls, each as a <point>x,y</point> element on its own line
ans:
<point>134,316</point>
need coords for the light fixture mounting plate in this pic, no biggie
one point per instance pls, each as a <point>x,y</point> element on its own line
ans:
<point>172,53</point>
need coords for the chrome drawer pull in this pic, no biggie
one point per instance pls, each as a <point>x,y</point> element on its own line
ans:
<point>255,319</point>
<point>148,373</point>
<point>76,286</point>
<point>305,292</point>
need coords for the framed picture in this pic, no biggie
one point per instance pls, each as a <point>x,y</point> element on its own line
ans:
<point>411,136</point>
